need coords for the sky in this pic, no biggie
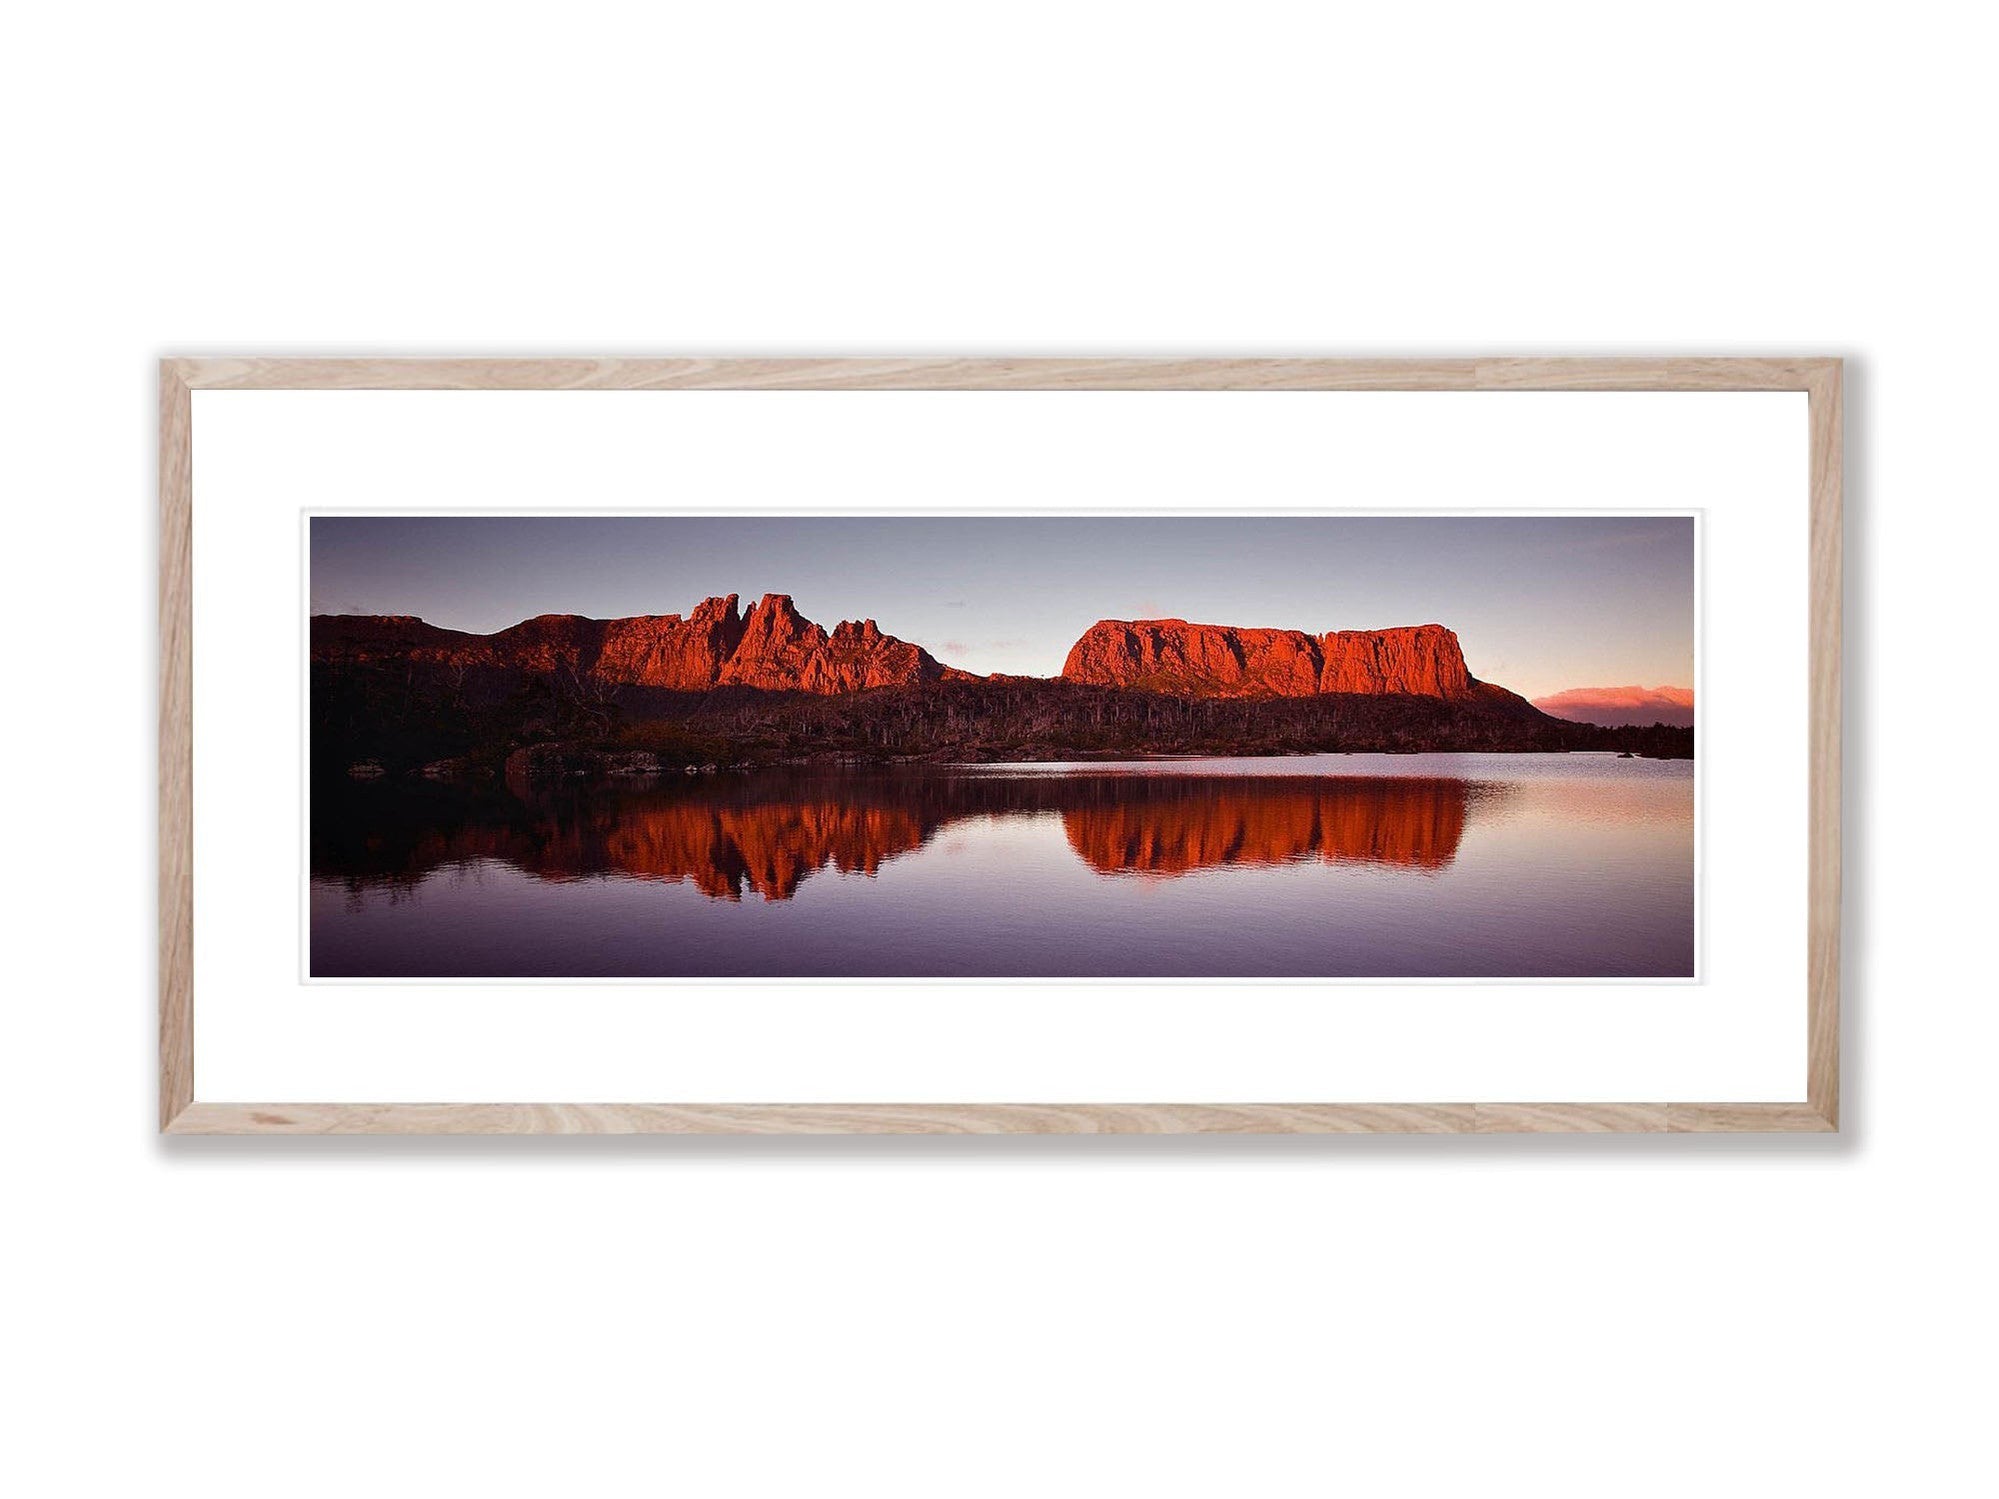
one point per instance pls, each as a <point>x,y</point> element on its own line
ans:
<point>1540,604</point>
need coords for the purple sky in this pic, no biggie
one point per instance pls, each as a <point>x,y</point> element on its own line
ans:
<point>1541,604</point>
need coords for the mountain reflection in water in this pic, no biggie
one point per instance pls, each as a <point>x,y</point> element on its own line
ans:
<point>767,834</point>
<point>1420,866</point>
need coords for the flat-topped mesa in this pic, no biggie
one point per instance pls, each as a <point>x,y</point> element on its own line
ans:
<point>1424,660</point>
<point>1190,660</point>
<point>772,647</point>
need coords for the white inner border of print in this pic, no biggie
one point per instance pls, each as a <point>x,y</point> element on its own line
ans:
<point>1736,459</point>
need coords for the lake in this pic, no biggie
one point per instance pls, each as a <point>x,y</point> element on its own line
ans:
<point>1346,866</point>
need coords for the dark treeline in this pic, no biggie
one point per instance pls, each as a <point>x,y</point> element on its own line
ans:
<point>403,717</point>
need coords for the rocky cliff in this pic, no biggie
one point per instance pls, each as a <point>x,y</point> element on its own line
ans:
<point>773,646</point>
<point>1190,660</point>
<point>780,648</point>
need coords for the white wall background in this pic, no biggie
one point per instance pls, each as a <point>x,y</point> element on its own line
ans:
<point>1545,1317</point>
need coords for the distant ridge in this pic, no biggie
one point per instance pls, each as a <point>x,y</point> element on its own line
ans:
<point>772,647</point>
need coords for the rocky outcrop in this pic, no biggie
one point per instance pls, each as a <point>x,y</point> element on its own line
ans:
<point>1190,660</point>
<point>1170,655</point>
<point>772,647</point>
<point>664,650</point>
<point>782,649</point>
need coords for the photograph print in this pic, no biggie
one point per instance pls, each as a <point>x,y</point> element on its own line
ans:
<point>1326,746</point>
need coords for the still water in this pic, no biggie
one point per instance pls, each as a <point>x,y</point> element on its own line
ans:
<point>1332,866</point>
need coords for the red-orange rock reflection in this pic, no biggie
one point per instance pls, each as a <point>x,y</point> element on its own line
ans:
<point>766,848</point>
<point>1413,822</point>
<point>769,848</point>
<point>766,835</point>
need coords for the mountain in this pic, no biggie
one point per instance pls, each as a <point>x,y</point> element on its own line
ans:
<point>775,648</point>
<point>772,647</point>
<point>1189,660</point>
<point>565,695</point>
<point>1614,707</point>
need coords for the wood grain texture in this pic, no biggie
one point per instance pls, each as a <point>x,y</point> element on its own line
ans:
<point>829,374</point>
<point>1820,378</point>
<point>1652,374</point>
<point>176,771</point>
<point>1000,374</point>
<point>1823,891</point>
<point>1570,1118</point>
<point>1748,1118</point>
<point>823,1119</point>
<point>995,1118</point>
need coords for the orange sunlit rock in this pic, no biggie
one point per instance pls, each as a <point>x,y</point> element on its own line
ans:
<point>1171,655</point>
<point>773,646</point>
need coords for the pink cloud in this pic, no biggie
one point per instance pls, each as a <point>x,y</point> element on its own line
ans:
<point>1614,706</point>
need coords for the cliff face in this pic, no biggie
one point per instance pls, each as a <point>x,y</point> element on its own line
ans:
<point>1171,655</point>
<point>1421,659</point>
<point>775,648</point>
<point>664,650</point>
<point>772,646</point>
<point>780,648</point>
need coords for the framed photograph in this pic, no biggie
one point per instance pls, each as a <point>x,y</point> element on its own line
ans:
<point>1056,746</point>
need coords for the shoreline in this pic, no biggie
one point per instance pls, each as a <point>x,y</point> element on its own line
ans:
<point>555,762</point>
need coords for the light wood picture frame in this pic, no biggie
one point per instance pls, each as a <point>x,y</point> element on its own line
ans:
<point>183,1111</point>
